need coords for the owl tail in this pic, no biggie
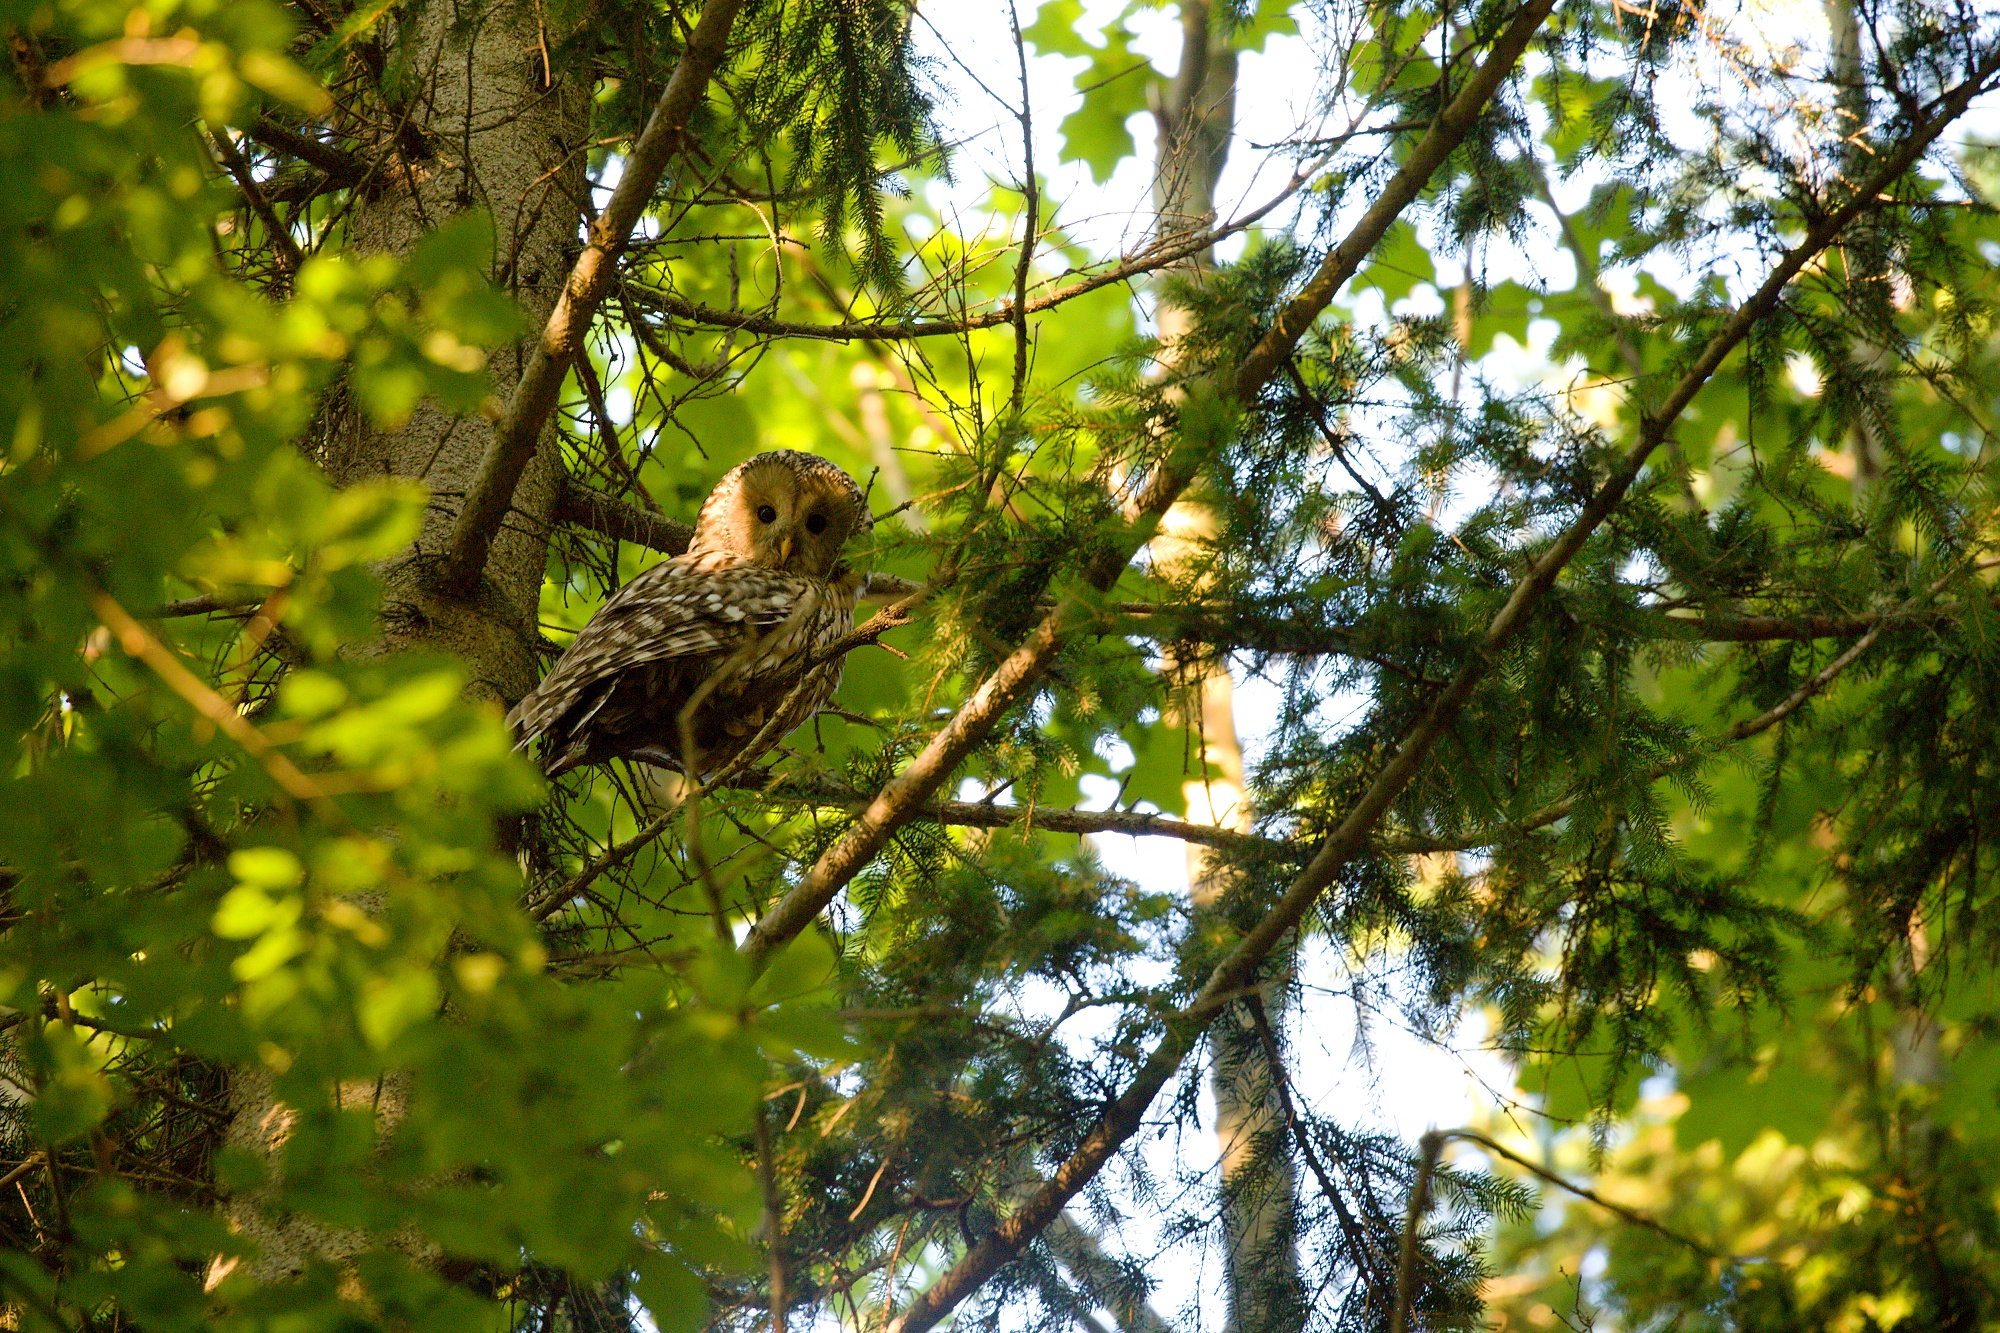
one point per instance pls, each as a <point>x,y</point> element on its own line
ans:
<point>563,720</point>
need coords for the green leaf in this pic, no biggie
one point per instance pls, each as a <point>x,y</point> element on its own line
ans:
<point>673,1294</point>
<point>266,867</point>
<point>75,1093</point>
<point>394,1001</point>
<point>1114,85</point>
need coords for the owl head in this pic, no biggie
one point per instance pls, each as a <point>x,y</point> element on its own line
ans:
<point>782,510</point>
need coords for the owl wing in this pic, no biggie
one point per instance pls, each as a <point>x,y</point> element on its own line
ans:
<point>673,610</point>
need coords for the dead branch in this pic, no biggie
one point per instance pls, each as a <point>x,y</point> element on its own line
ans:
<point>582,507</point>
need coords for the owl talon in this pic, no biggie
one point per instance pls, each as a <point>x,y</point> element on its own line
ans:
<point>656,756</point>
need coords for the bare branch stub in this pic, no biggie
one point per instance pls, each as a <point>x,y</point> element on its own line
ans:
<point>583,507</point>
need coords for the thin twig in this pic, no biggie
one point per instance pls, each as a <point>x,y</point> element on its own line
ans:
<point>207,604</point>
<point>341,167</point>
<point>1164,253</point>
<point>1031,196</point>
<point>29,1163</point>
<point>1428,1148</point>
<point>1631,1215</point>
<point>873,1181</point>
<point>1326,431</point>
<point>282,242</point>
<point>615,855</point>
<point>1819,681</point>
<point>1254,632</point>
<point>138,642</point>
<point>893,616</point>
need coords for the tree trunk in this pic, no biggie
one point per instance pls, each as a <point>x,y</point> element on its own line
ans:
<point>485,122</point>
<point>501,138</point>
<point>1862,253</point>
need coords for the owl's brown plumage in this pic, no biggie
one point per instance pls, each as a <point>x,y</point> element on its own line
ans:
<point>728,626</point>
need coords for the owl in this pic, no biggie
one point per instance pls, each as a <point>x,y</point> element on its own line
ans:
<point>723,633</point>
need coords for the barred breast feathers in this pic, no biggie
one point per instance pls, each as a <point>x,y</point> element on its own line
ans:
<point>712,607</point>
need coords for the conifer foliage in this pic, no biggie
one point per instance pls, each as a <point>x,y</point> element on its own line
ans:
<point>1635,670</point>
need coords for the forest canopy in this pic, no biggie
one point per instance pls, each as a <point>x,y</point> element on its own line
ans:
<point>1569,432</point>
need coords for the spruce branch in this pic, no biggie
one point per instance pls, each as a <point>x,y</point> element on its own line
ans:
<point>1162,254</point>
<point>1741,731</point>
<point>518,432</point>
<point>1124,1116</point>
<point>901,797</point>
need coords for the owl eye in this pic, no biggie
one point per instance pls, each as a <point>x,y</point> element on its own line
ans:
<point>816,524</point>
<point>766,514</point>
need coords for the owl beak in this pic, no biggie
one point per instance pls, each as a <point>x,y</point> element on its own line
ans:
<point>785,544</point>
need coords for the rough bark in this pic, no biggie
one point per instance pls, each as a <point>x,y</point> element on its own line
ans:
<point>484,124</point>
<point>501,139</point>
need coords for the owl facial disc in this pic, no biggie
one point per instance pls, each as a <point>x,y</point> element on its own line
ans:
<point>782,510</point>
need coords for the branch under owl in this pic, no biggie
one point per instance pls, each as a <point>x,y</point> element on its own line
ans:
<point>1136,823</point>
<point>979,814</point>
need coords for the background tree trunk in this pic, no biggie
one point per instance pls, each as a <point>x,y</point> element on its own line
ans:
<point>1194,116</point>
<point>1862,252</point>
